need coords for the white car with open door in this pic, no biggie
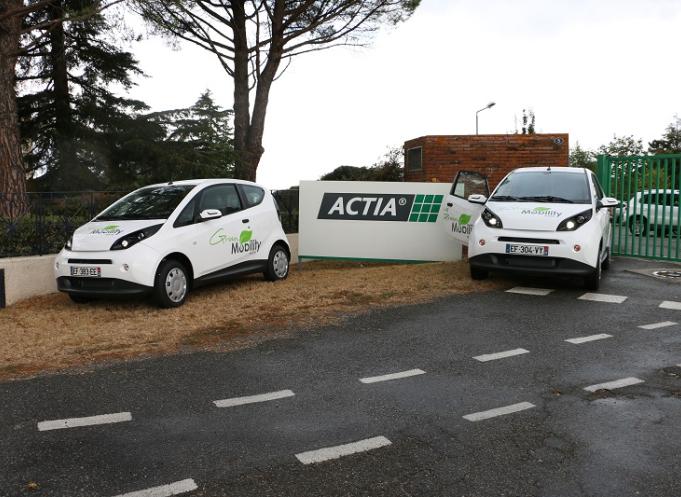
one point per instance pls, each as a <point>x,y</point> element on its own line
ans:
<point>539,220</point>
<point>165,239</point>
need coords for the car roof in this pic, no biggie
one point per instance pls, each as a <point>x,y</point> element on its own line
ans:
<point>575,170</point>
<point>207,182</point>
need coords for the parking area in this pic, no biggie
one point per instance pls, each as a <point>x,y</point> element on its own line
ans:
<point>541,389</point>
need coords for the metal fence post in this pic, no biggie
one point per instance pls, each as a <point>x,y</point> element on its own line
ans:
<point>603,173</point>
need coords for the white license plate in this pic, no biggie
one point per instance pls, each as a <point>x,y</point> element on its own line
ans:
<point>517,249</point>
<point>86,271</point>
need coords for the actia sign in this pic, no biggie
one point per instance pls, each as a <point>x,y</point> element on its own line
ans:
<point>380,207</point>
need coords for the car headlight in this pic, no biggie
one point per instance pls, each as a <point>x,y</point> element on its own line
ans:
<point>135,237</point>
<point>574,222</point>
<point>491,219</point>
<point>69,244</point>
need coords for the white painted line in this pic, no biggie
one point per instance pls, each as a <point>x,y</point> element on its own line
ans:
<point>499,411</point>
<point>500,355</point>
<point>328,453</point>
<point>540,292</point>
<point>392,376</point>
<point>670,304</point>
<point>655,326</point>
<point>603,297</point>
<point>611,385</point>
<point>252,399</point>
<point>103,419</point>
<point>589,338</point>
<point>179,487</point>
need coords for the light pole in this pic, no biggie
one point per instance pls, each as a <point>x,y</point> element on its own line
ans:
<point>488,106</point>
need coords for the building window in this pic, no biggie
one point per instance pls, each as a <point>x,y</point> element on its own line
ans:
<point>414,158</point>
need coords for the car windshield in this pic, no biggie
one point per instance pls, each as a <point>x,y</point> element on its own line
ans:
<point>156,202</point>
<point>544,186</point>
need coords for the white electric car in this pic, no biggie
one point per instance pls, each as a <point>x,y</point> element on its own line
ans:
<point>539,220</point>
<point>165,239</point>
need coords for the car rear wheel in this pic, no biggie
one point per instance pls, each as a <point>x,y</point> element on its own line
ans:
<point>638,226</point>
<point>605,265</point>
<point>479,274</point>
<point>79,299</point>
<point>172,284</point>
<point>277,264</point>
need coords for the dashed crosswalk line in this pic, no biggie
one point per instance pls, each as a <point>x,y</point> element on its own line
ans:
<point>612,385</point>
<point>252,399</point>
<point>177,488</point>
<point>500,355</point>
<point>655,326</point>
<point>328,453</point>
<point>539,292</point>
<point>590,338</point>
<point>102,419</point>
<point>392,376</point>
<point>670,304</point>
<point>499,411</point>
<point>603,297</point>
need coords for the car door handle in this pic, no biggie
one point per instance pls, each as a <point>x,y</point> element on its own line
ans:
<point>449,204</point>
<point>245,221</point>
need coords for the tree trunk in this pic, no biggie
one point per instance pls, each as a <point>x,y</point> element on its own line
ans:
<point>242,111</point>
<point>13,200</point>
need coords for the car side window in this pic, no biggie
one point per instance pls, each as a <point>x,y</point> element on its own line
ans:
<point>224,198</point>
<point>186,217</point>
<point>469,183</point>
<point>253,195</point>
<point>597,185</point>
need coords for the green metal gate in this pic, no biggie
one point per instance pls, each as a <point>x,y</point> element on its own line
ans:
<point>647,223</point>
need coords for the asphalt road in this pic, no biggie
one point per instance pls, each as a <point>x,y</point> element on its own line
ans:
<point>562,440</point>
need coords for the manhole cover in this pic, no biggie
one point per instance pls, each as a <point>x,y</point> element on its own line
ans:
<point>667,274</point>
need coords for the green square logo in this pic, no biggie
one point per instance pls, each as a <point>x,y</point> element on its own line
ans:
<point>438,198</point>
<point>413,218</point>
<point>432,218</point>
<point>419,199</point>
<point>429,199</point>
<point>423,218</point>
<point>435,208</point>
<point>417,208</point>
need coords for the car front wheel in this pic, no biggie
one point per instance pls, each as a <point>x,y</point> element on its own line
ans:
<point>172,284</point>
<point>593,281</point>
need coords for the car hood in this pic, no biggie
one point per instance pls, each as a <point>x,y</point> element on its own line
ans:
<point>98,236</point>
<point>534,216</point>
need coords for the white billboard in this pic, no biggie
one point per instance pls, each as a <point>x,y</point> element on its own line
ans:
<point>373,220</point>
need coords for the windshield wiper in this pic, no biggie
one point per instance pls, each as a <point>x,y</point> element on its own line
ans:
<point>505,198</point>
<point>549,198</point>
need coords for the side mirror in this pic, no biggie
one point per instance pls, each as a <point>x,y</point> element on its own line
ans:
<point>477,199</point>
<point>210,214</point>
<point>608,203</point>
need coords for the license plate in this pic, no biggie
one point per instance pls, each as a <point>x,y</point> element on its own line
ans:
<point>86,271</point>
<point>514,248</point>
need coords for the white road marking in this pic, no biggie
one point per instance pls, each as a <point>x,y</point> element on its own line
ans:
<point>252,399</point>
<point>103,419</point>
<point>392,376</point>
<point>540,292</point>
<point>179,487</point>
<point>603,297</point>
<point>670,304</point>
<point>611,385</point>
<point>589,338</point>
<point>500,355</point>
<point>499,411</point>
<point>654,326</point>
<point>328,453</point>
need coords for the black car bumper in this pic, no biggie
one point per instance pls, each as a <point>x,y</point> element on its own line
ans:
<point>530,264</point>
<point>100,286</point>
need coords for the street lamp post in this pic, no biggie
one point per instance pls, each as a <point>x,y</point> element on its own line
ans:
<point>488,106</point>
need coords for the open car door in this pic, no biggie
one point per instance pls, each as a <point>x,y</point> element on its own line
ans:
<point>461,214</point>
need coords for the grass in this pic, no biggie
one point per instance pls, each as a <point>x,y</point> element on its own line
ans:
<point>50,333</point>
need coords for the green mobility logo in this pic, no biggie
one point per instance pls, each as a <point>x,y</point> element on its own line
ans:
<point>380,207</point>
<point>244,243</point>
<point>541,211</point>
<point>463,224</point>
<point>111,229</point>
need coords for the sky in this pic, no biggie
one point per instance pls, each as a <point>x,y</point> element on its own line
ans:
<point>590,68</point>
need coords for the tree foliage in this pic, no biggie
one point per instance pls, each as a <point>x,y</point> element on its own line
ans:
<point>670,142</point>
<point>622,146</point>
<point>255,40</point>
<point>389,168</point>
<point>580,157</point>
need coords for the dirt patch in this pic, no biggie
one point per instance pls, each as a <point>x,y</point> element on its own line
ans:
<point>50,333</point>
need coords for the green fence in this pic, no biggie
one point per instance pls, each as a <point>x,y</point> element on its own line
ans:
<point>647,223</point>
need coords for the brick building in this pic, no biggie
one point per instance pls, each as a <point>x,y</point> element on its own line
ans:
<point>439,158</point>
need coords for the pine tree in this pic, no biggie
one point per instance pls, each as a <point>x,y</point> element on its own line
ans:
<point>66,106</point>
